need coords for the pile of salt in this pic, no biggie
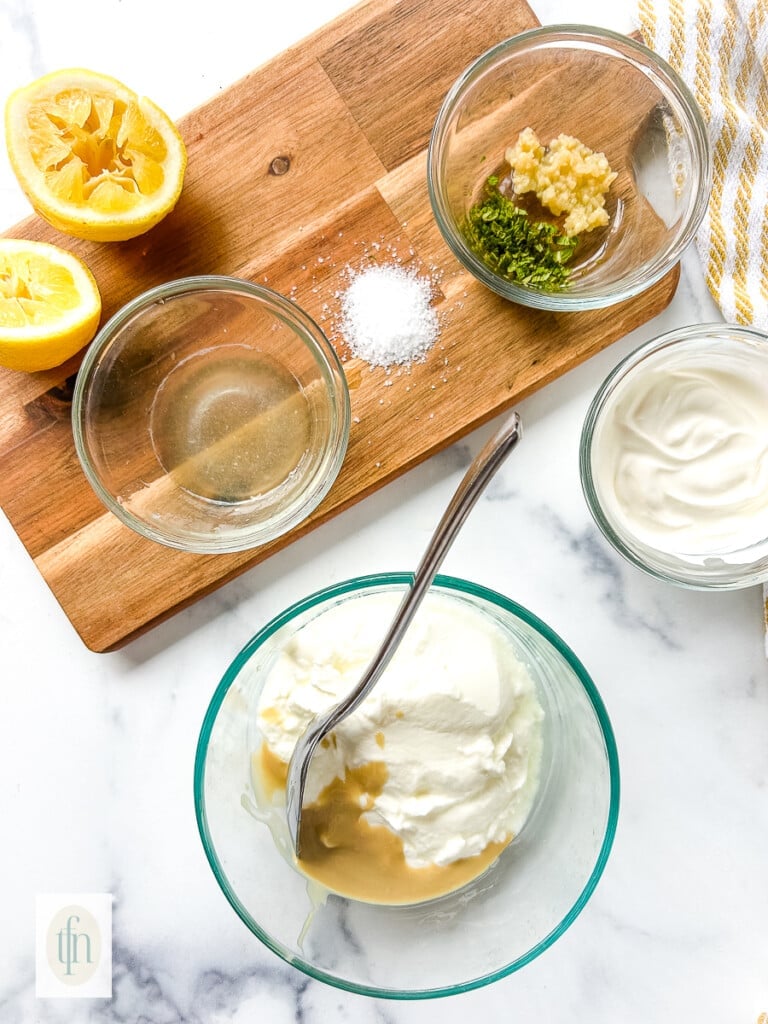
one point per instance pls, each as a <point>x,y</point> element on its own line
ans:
<point>387,318</point>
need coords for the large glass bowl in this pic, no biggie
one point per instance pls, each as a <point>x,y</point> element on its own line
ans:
<point>211,414</point>
<point>617,97</point>
<point>478,934</point>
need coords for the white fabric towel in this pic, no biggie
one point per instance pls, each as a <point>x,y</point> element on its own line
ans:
<point>720,50</point>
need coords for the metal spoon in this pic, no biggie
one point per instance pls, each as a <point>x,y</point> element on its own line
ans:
<point>483,467</point>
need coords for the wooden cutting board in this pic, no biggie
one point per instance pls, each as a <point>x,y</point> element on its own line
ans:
<point>311,164</point>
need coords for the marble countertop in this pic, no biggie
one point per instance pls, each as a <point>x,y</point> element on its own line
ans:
<point>96,751</point>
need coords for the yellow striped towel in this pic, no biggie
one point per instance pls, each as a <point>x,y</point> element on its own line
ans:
<point>720,50</point>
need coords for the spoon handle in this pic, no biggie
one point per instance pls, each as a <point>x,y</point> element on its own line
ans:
<point>483,467</point>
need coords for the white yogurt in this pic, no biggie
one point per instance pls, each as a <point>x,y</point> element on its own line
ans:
<point>680,450</point>
<point>455,718</point>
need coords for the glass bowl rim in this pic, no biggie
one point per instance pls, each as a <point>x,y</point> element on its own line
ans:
<point>299,321</point>
<point>454,584</point>
<point>669,339</point>
<point>654,269</point>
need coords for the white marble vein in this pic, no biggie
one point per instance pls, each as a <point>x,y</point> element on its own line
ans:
<point>96,752</point>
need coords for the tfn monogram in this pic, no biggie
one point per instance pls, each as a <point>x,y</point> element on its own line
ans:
<point>69,948</point>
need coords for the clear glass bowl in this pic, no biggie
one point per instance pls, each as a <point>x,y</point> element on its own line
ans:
<point>699,345</point>
<point>211,414</point>
<point>617,97</point>
<point>478,934</point>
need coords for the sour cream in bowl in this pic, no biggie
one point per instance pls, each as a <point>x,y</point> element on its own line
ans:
<point>674,457</point>
<point>452,829</point>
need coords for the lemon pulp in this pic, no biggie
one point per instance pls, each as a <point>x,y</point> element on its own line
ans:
<point>49,305</point>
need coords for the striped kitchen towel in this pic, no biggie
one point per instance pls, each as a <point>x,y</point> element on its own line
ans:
<point>720,50</point>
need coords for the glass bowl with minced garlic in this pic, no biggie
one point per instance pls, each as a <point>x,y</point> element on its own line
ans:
<point>569,167</point>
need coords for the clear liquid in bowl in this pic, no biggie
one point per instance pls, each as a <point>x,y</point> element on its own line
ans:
<point>230,423</point>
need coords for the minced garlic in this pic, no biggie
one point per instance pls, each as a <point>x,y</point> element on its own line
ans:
<point>567,177</point>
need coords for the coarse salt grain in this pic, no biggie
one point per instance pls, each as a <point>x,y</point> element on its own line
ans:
<point>386,316</point>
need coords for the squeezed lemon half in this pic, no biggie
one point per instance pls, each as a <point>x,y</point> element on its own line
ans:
<point>94,159</point>
<point>49,305</point>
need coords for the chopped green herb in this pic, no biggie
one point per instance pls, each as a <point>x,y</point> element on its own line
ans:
<point>528,252</point>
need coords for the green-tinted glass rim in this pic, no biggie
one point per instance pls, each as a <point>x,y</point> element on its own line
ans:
<point>364,583</point>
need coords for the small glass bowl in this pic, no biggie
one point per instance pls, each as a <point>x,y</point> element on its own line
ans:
<point>703,345</point>
<point>211,414</point>
<point>617,97</point>
<point>482,932</point>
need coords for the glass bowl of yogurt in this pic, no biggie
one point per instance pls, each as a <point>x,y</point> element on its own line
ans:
<point>474,792</point>
<point>674,457</point>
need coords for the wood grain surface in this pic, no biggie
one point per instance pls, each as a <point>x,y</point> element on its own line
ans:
<point>348,112</point>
